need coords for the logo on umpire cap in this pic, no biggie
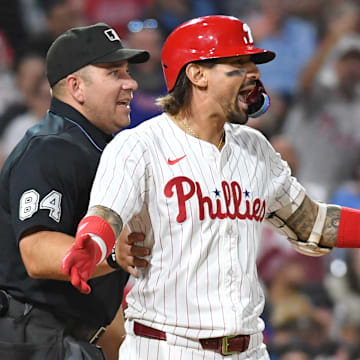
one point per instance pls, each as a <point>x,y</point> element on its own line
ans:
<point>111,35</point>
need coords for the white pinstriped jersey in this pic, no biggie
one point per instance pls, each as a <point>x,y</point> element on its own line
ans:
<point>202,211</point>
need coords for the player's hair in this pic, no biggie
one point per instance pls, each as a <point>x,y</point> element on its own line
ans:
<point>179,98</point>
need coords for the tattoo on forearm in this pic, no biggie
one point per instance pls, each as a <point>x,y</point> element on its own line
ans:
<point>109,215</point>
<point>331,226</point>
<point>303,219</point>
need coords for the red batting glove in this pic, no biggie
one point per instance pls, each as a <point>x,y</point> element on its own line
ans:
<point>80,262</point>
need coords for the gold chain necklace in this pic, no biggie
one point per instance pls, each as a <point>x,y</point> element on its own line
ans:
<point>193,133</point>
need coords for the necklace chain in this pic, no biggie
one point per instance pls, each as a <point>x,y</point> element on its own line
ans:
<point>193,133</point>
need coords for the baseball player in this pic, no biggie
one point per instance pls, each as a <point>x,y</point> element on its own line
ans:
<point>200,184</point>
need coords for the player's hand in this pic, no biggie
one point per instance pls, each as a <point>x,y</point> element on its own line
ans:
<point>128,255</point>
<point>80,262</point>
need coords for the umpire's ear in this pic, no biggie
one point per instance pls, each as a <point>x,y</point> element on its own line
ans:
<point>75,87</point>
<point>196,75</point>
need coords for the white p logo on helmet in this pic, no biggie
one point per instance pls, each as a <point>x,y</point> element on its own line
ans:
<point>247,31</point>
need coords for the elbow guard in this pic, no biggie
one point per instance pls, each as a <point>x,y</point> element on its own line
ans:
<point>311,247</point>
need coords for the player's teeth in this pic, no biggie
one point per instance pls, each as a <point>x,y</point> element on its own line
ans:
<point>241,98</point>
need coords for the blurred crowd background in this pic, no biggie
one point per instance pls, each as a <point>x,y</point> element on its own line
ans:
<point>313,304</point>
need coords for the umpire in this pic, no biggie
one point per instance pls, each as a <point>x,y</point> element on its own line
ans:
<point>44,193</point>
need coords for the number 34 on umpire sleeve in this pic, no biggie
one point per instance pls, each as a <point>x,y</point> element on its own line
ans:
<point>29,204</point>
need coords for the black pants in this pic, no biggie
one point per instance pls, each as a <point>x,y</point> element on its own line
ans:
<point>27,333</point>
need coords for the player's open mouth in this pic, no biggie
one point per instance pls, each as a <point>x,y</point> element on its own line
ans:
<point>242,98</point>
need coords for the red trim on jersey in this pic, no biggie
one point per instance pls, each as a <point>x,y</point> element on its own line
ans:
<point>349,228</point>
<point>100,227</point>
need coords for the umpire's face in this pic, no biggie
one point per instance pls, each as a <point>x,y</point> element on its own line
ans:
<point>107,90</point>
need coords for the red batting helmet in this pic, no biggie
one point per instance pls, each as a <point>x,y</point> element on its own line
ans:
<point>208,37</point>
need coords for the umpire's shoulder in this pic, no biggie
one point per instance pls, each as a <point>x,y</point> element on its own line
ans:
<point>56,144</point>
<point>52,150</point>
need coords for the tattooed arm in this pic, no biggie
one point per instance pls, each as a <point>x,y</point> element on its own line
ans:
<point>110,216</point>
<point>303,219</point>
<point>128,254</point>
<point>97,234</point>
<point>312,228</point>
<point>302,222</point>
<point>95,237</point>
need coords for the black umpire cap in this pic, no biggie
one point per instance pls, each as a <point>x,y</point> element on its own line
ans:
<point>86,45</point>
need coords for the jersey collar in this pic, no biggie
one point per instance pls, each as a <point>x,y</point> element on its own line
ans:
<point>65,110</point>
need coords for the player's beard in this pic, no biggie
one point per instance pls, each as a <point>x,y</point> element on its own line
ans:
<point>235,115</point>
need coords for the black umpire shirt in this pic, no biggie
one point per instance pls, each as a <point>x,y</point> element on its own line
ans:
<point>45,183</point>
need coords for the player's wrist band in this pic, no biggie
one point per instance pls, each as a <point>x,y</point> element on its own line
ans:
<point>101,232</point>
<point>349,228</point>
<point>111,260</point>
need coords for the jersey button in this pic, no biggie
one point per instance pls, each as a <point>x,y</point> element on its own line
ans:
<point>229,228</point>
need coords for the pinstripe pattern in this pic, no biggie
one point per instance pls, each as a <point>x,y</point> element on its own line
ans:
<point>202,280</point>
